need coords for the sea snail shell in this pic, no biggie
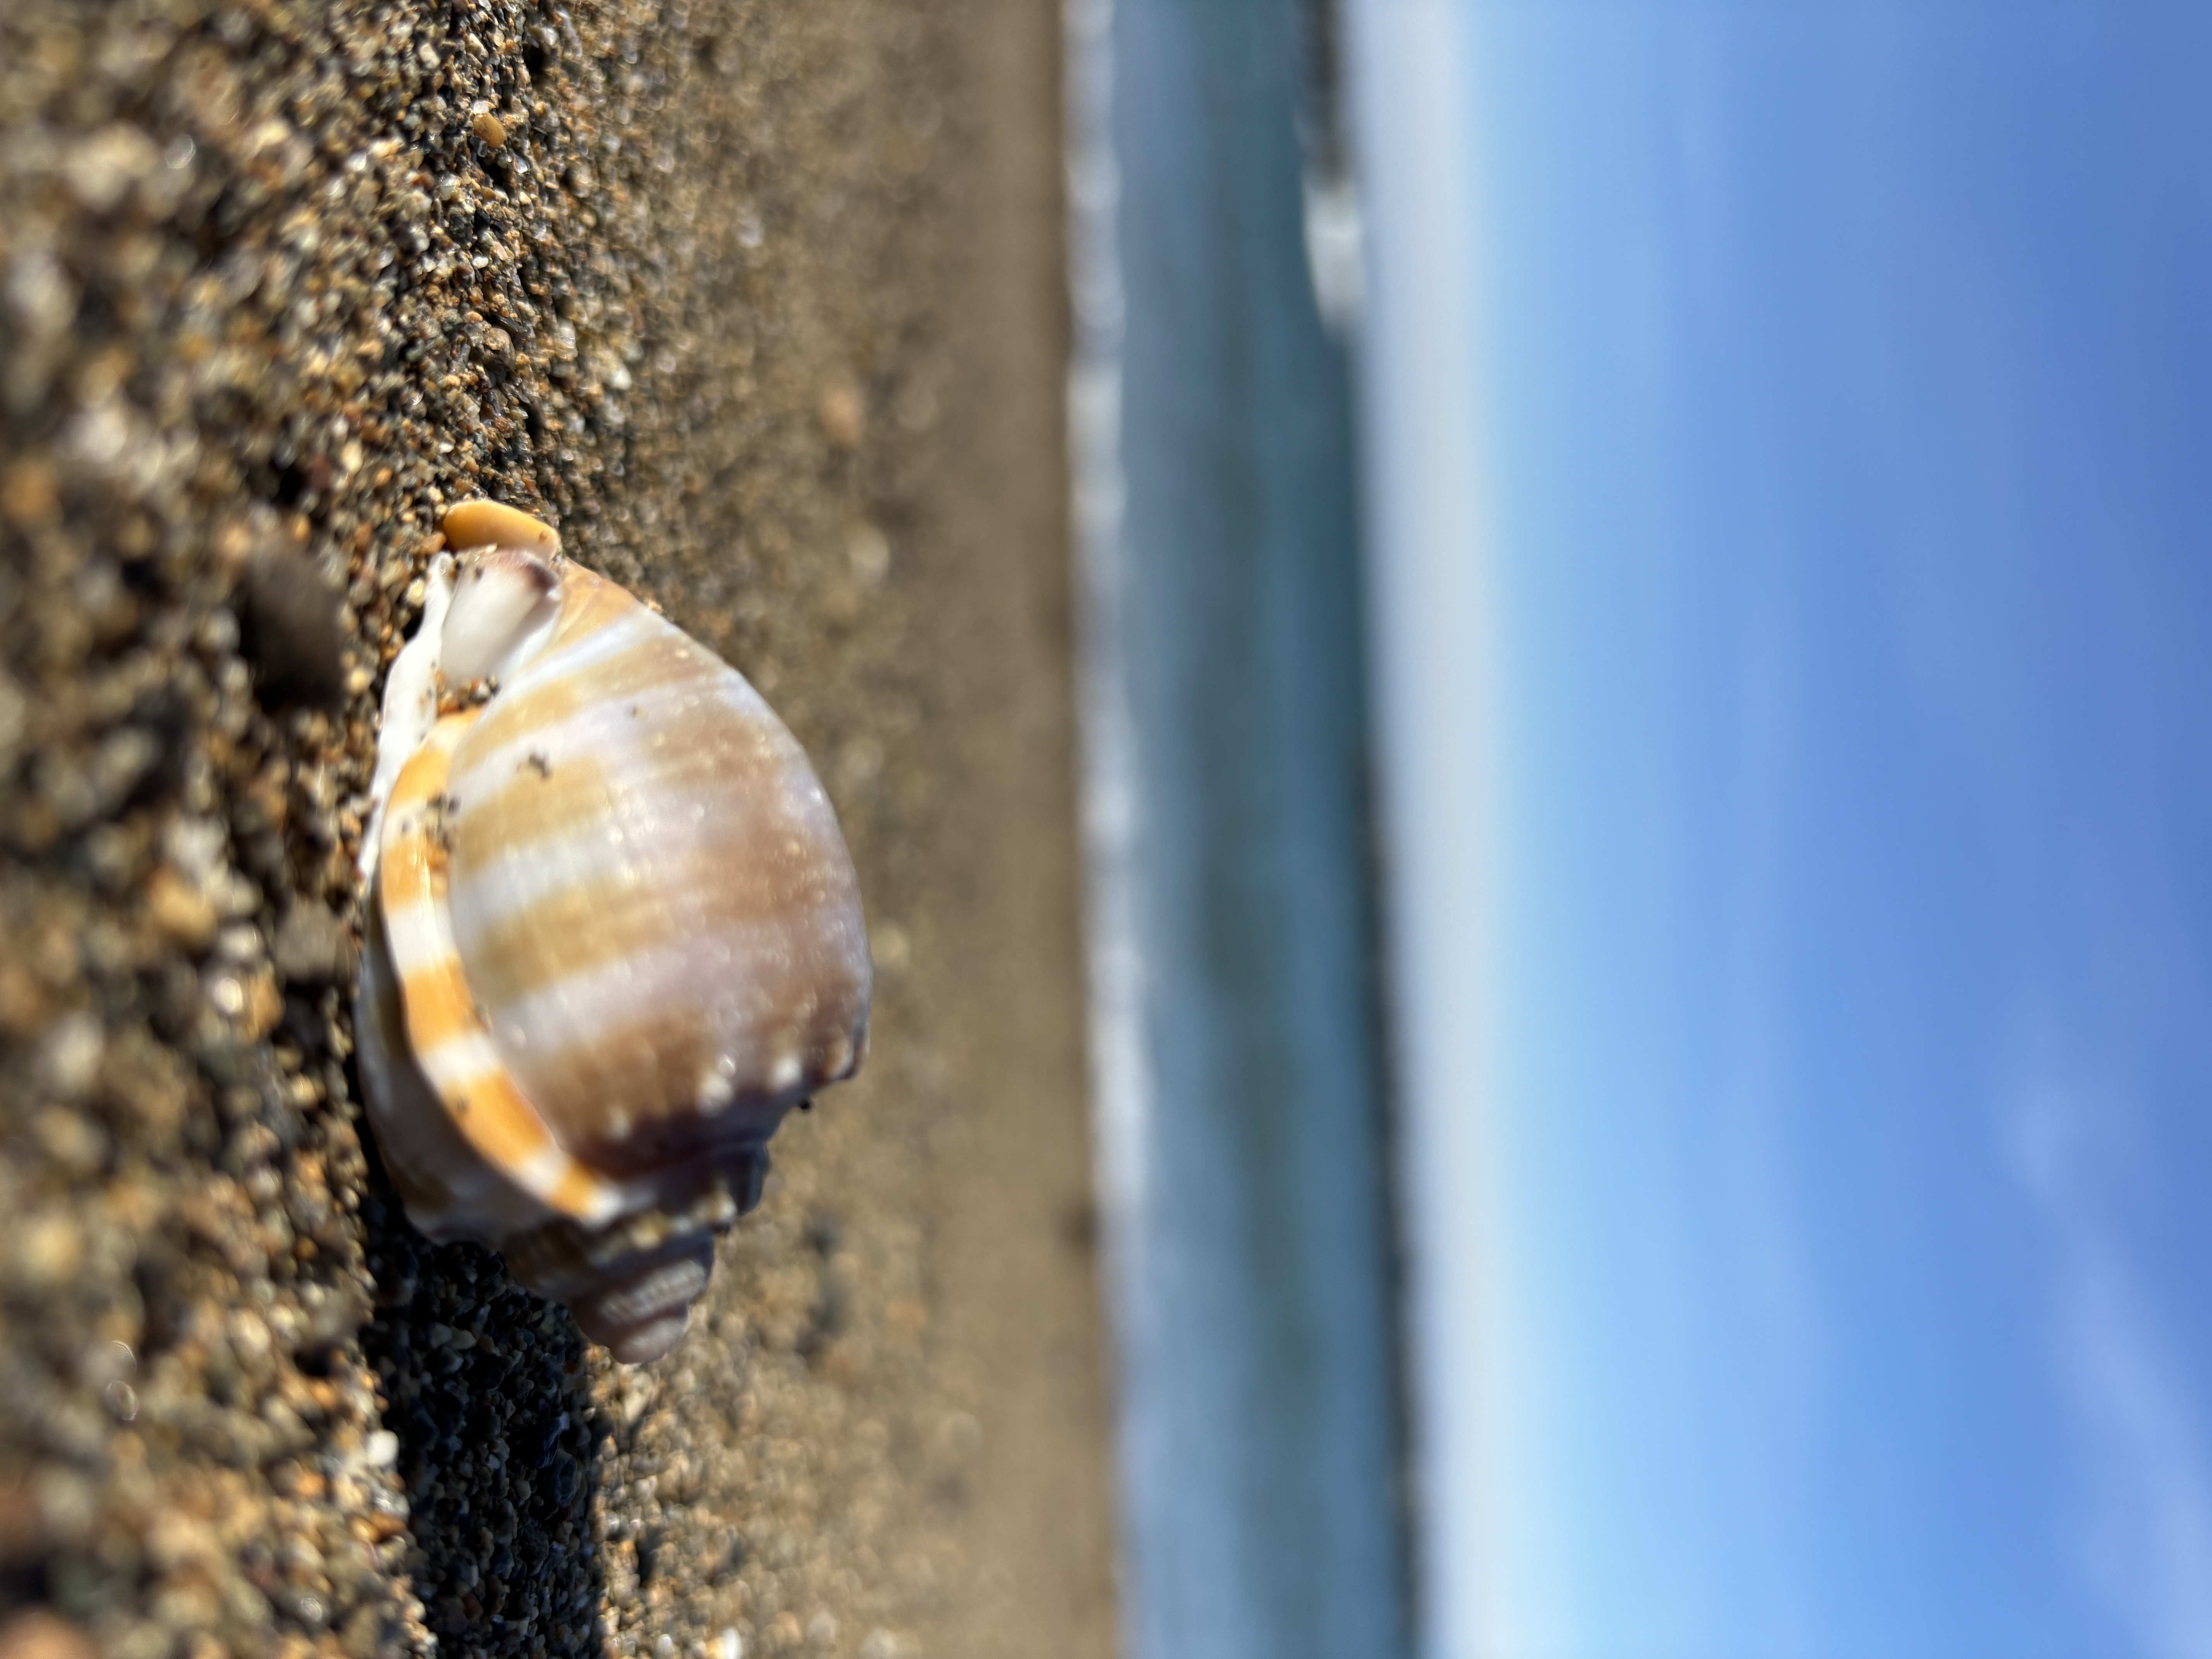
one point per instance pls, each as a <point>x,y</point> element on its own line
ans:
<point>614,932</point>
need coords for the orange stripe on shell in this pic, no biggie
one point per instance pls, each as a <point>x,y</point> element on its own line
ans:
<point>491,1112</point>
<point>588,603</point>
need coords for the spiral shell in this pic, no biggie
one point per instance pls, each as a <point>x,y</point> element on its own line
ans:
<point>614,935</point>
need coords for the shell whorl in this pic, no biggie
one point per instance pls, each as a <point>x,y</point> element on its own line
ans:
<point>615,936</point>
<point>649,891</point>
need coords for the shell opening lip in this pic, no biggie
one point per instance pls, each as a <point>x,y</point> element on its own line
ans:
<point>506,604</point>
<point>478,522</point>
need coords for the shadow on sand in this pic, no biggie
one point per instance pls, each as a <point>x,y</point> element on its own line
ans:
<point>486,1388</point>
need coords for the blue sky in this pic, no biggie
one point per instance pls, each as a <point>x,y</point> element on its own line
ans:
<point>1790,426</point>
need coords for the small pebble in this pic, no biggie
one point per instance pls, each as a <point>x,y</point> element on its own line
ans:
<point>37,1634</point>
<point>72,1139</point>
<point>843,415</point>
<point>312,946</point>
<point>184,915</point>
<point>292,631</point>
<point>70,1058</point>
<point>869,552</point>
<point>47,1249</point>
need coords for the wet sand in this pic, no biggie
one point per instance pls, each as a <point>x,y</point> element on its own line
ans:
<point>762,305</point>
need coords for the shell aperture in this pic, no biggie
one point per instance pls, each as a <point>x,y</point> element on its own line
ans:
<point>615,933</point>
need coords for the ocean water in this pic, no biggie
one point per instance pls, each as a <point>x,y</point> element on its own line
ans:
<point>1241,1174</point>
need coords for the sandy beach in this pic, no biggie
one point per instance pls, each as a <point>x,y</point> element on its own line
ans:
<point>763,306</point>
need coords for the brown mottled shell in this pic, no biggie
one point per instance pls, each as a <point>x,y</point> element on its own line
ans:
<point>615,936</point>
